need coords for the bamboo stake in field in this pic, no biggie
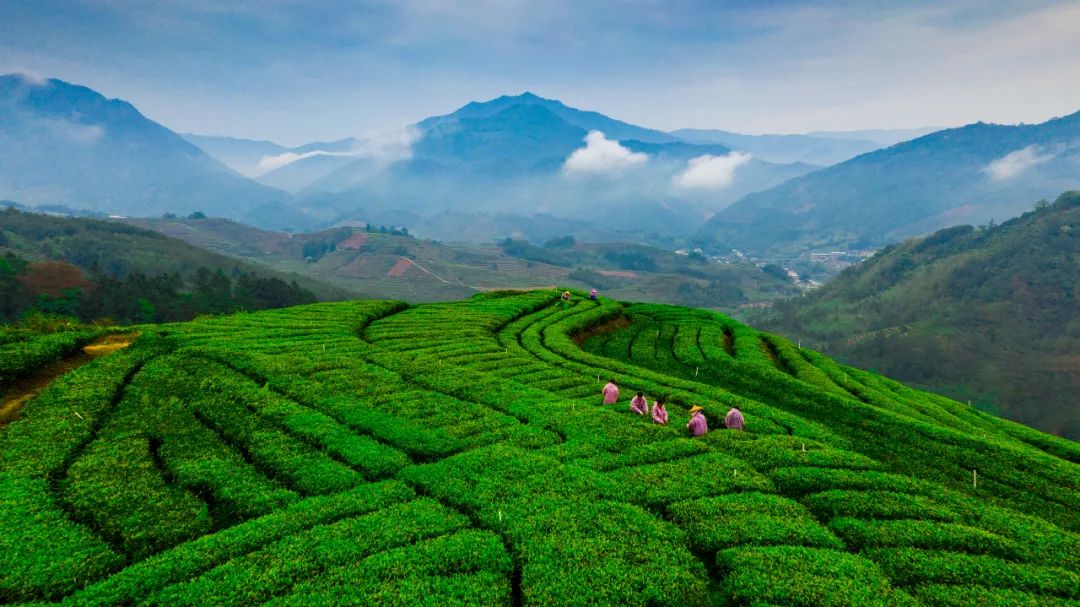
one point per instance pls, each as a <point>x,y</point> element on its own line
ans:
<point>974,479</point>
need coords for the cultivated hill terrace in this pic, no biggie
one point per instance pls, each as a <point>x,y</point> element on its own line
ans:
<point>457,453</point>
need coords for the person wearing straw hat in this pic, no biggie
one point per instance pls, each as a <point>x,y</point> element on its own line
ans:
<point>697,426</point>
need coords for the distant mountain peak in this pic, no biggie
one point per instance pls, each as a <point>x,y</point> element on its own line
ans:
<point>583,119</point>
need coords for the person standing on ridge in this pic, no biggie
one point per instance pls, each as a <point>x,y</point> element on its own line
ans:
<point>659,413</point>
<point>592,294</point>
<point>565,298</point>
<point>639,405</point>
<point>610,392</point>
<point>734,419</point>
<point>697,426</point>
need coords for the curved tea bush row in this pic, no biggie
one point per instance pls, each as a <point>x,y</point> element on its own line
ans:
<point>20,358</point>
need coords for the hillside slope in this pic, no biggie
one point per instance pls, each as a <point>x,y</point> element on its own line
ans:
<point>457,453</point>
<point>109,267</point>
<point>394,266</point>
<point>67,144</point>
<point>969,175</point>
<point>990,315</point>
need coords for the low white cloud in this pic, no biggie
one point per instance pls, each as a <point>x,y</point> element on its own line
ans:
<point>602,155</point>
<point>710,172</point>
<point>1014,163</point>
<point>383,146</point>
<point>75,132</point>
<point>271,163</point>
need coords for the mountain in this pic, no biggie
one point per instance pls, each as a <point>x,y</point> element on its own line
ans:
<point>973,174</point>
<point>509,156</point>
<point>587,120</point>
<point>240,155</point>
<point>988,315</point>
<point>92,269</point>
<point>254,158</point>
<point>66,144</point>
<point>883,137</point>
<point>809,149</point>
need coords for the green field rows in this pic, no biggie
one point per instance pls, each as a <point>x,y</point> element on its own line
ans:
<point>458,454</point>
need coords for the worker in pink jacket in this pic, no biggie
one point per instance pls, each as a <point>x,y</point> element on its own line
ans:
<point>659,413</point>
<point>611,393</point>
<point>698,426</point>
<point>734,419</point>
<point>638,404</point>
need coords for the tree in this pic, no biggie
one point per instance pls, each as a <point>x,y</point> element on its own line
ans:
<point>197,215</point>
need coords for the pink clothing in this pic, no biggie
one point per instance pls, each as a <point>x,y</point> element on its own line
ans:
<point>698,426</point>
<point>734,419</point>
<point>592,295</point>
<point>611,394</point>
<point>639,405</point>
<point>659,414</point>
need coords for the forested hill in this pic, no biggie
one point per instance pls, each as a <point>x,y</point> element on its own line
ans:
<point>94,269</point>
<point>989,315</point>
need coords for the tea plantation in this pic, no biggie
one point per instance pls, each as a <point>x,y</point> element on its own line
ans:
<point>457,454</point>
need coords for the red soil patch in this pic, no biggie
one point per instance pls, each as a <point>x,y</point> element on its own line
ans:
<point>399,268</point>
<point>353,243</point>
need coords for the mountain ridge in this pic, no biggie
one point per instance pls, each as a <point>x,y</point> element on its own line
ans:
<point>969,174</point>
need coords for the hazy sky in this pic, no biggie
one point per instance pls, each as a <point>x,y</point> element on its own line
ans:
<point>299,70</point>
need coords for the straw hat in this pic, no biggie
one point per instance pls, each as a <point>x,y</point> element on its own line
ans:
<point>696,408</point>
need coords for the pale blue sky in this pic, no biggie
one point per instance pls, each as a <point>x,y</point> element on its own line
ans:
<point>299,70</point>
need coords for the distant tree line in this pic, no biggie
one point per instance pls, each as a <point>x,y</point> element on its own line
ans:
<point>61,288</point>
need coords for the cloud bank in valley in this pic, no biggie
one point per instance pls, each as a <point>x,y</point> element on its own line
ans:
<point>602,155</point>
<point>383,146</point>
<point>710,172</point>
<point>1014,163</point>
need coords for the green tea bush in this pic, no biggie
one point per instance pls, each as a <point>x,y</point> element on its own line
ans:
<point>809,577</point>
<point>258,576</point>
<point>193,558</point>
<point>758,519</point>
<point>909,567</point>
<point>464,568</point>
<point>931,535</point>
<point>878,505</point>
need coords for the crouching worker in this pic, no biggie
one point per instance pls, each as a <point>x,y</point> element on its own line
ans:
<point>734,419</point>
<point>611,393</point>
<point>659,413</point>
<point>638,404</point>
<point>698,426</point>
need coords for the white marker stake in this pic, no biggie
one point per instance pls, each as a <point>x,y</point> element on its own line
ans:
<point>974,479</point>
<point>736,471</point>
<point>695,371</point>
<point>804,447</point>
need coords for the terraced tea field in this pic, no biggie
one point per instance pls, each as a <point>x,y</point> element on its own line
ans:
<point>458,454</point>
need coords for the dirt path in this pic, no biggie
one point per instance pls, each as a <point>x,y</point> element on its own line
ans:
<point>24,390</point>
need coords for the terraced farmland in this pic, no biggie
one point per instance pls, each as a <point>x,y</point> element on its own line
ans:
<point>458,454</point>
